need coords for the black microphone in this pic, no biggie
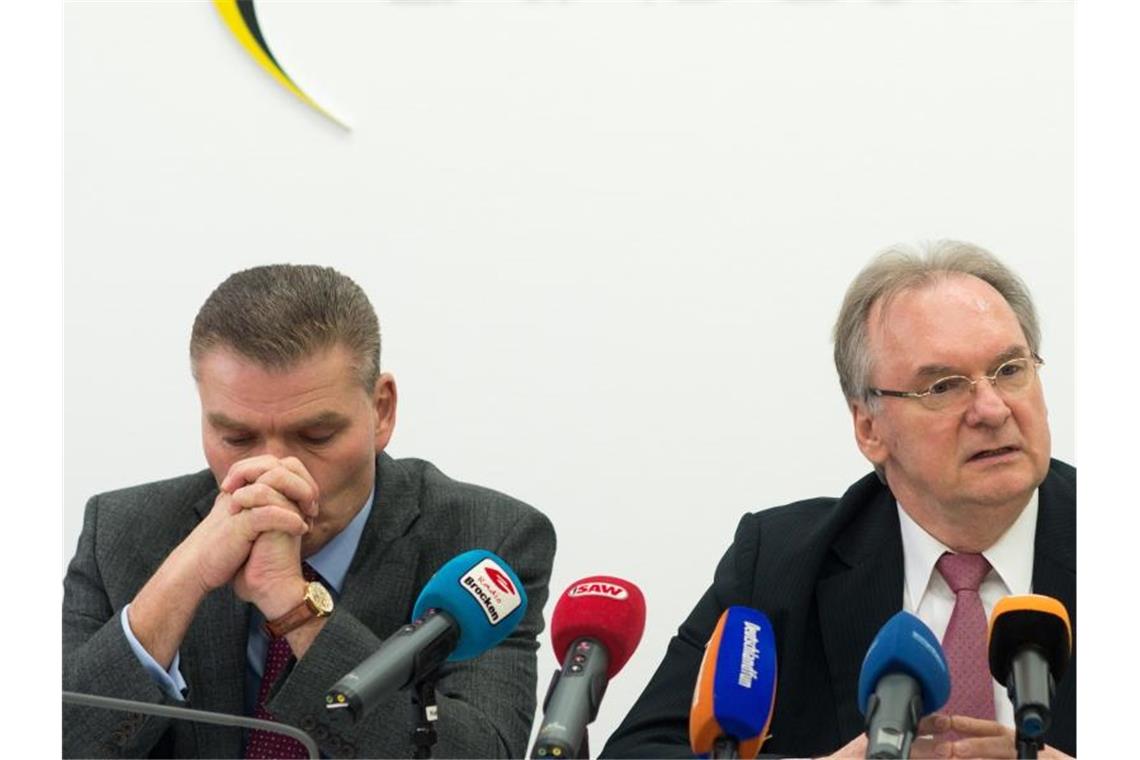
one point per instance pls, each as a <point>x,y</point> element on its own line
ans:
<point>471,604</point>
<point>414,650</point>
<point>1031,642</point>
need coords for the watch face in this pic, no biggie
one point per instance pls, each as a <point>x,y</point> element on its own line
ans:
<point>321,598</point>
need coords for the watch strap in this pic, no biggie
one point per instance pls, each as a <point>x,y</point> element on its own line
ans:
<point>296,617</point>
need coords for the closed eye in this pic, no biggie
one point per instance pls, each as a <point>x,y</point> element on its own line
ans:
<point>317,440</point>
<point>237,440</point>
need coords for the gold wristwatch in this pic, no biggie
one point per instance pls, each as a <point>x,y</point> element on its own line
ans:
<point>318,603</point>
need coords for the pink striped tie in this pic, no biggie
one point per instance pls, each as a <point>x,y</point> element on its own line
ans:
<point>971,686</point>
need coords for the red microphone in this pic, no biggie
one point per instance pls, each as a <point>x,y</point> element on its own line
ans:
<point>597,623</point>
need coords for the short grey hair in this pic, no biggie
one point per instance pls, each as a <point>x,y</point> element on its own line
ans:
<point>280,314</point>
<point>901,268</point>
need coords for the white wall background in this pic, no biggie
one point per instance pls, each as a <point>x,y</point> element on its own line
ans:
<point>606,241</point>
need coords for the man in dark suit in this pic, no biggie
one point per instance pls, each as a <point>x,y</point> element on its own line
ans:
<point>251,587</point>
<point>937,354</point>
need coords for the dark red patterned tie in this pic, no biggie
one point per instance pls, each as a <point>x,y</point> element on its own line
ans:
<point>264,745</point>
<point>971,686</point>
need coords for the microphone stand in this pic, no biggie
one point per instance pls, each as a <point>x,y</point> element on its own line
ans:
<point>426,714</point>
<point>724,747</point>
<point>1027,748</point>
<point>187,713</point>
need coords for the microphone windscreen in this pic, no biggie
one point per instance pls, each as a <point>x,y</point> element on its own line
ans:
<point>735,694</point>
<point>482,593</point>
<point>611,610</point>
<point>906,645</point>
<point>1029,620</point>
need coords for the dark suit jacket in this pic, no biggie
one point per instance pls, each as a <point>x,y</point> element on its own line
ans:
<point>420,520</point>
<point>828,574</point>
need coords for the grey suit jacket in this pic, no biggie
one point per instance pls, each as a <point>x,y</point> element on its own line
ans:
<point>420,520</point>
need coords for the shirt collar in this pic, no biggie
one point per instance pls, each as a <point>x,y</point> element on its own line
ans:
<point>1011,556</point>
<point>332,561</point>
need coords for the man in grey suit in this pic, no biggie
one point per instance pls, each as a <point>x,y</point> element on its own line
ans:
<point>251,587</point>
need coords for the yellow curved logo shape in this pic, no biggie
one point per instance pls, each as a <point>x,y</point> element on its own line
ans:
<point>241,19</point>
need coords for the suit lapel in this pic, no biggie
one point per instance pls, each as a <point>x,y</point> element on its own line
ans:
<point>1054,550</point>
<point>214,661</point>
<point>1055,575</point>
<point>382,559</point>
<point>856,599</point>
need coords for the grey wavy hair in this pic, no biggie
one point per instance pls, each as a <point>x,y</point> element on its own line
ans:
<point>280,314</point>
<point>903,267</point>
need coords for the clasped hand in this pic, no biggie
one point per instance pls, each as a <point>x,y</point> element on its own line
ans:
<point>252,536</point>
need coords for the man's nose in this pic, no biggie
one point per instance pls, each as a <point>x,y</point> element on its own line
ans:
<point>987,407</point>
<point>276,447</point>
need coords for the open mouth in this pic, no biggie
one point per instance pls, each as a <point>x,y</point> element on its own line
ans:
<point>992,453</point>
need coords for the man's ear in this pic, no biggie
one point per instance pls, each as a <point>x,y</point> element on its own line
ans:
<point>384,407</point>
<point>869,432</point>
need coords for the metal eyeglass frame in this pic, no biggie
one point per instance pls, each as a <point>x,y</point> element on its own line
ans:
<point>1033,360</point>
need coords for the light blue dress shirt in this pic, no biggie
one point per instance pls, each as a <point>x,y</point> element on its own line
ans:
<point>331,563</point>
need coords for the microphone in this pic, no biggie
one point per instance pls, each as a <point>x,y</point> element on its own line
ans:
<point>904,677</point>
<point>596,625</point>
<point>471,604</point>
<point>735,695</point>
<point>1030,643</point>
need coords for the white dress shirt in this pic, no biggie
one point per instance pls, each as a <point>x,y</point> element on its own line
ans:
<point>927,595</point>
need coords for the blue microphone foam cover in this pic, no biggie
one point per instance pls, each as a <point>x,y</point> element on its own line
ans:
<point>906,645</point>
<point>744,686</point>
<point>482,593</point>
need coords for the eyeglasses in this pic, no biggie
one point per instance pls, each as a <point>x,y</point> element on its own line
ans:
<point>1010,379</point>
